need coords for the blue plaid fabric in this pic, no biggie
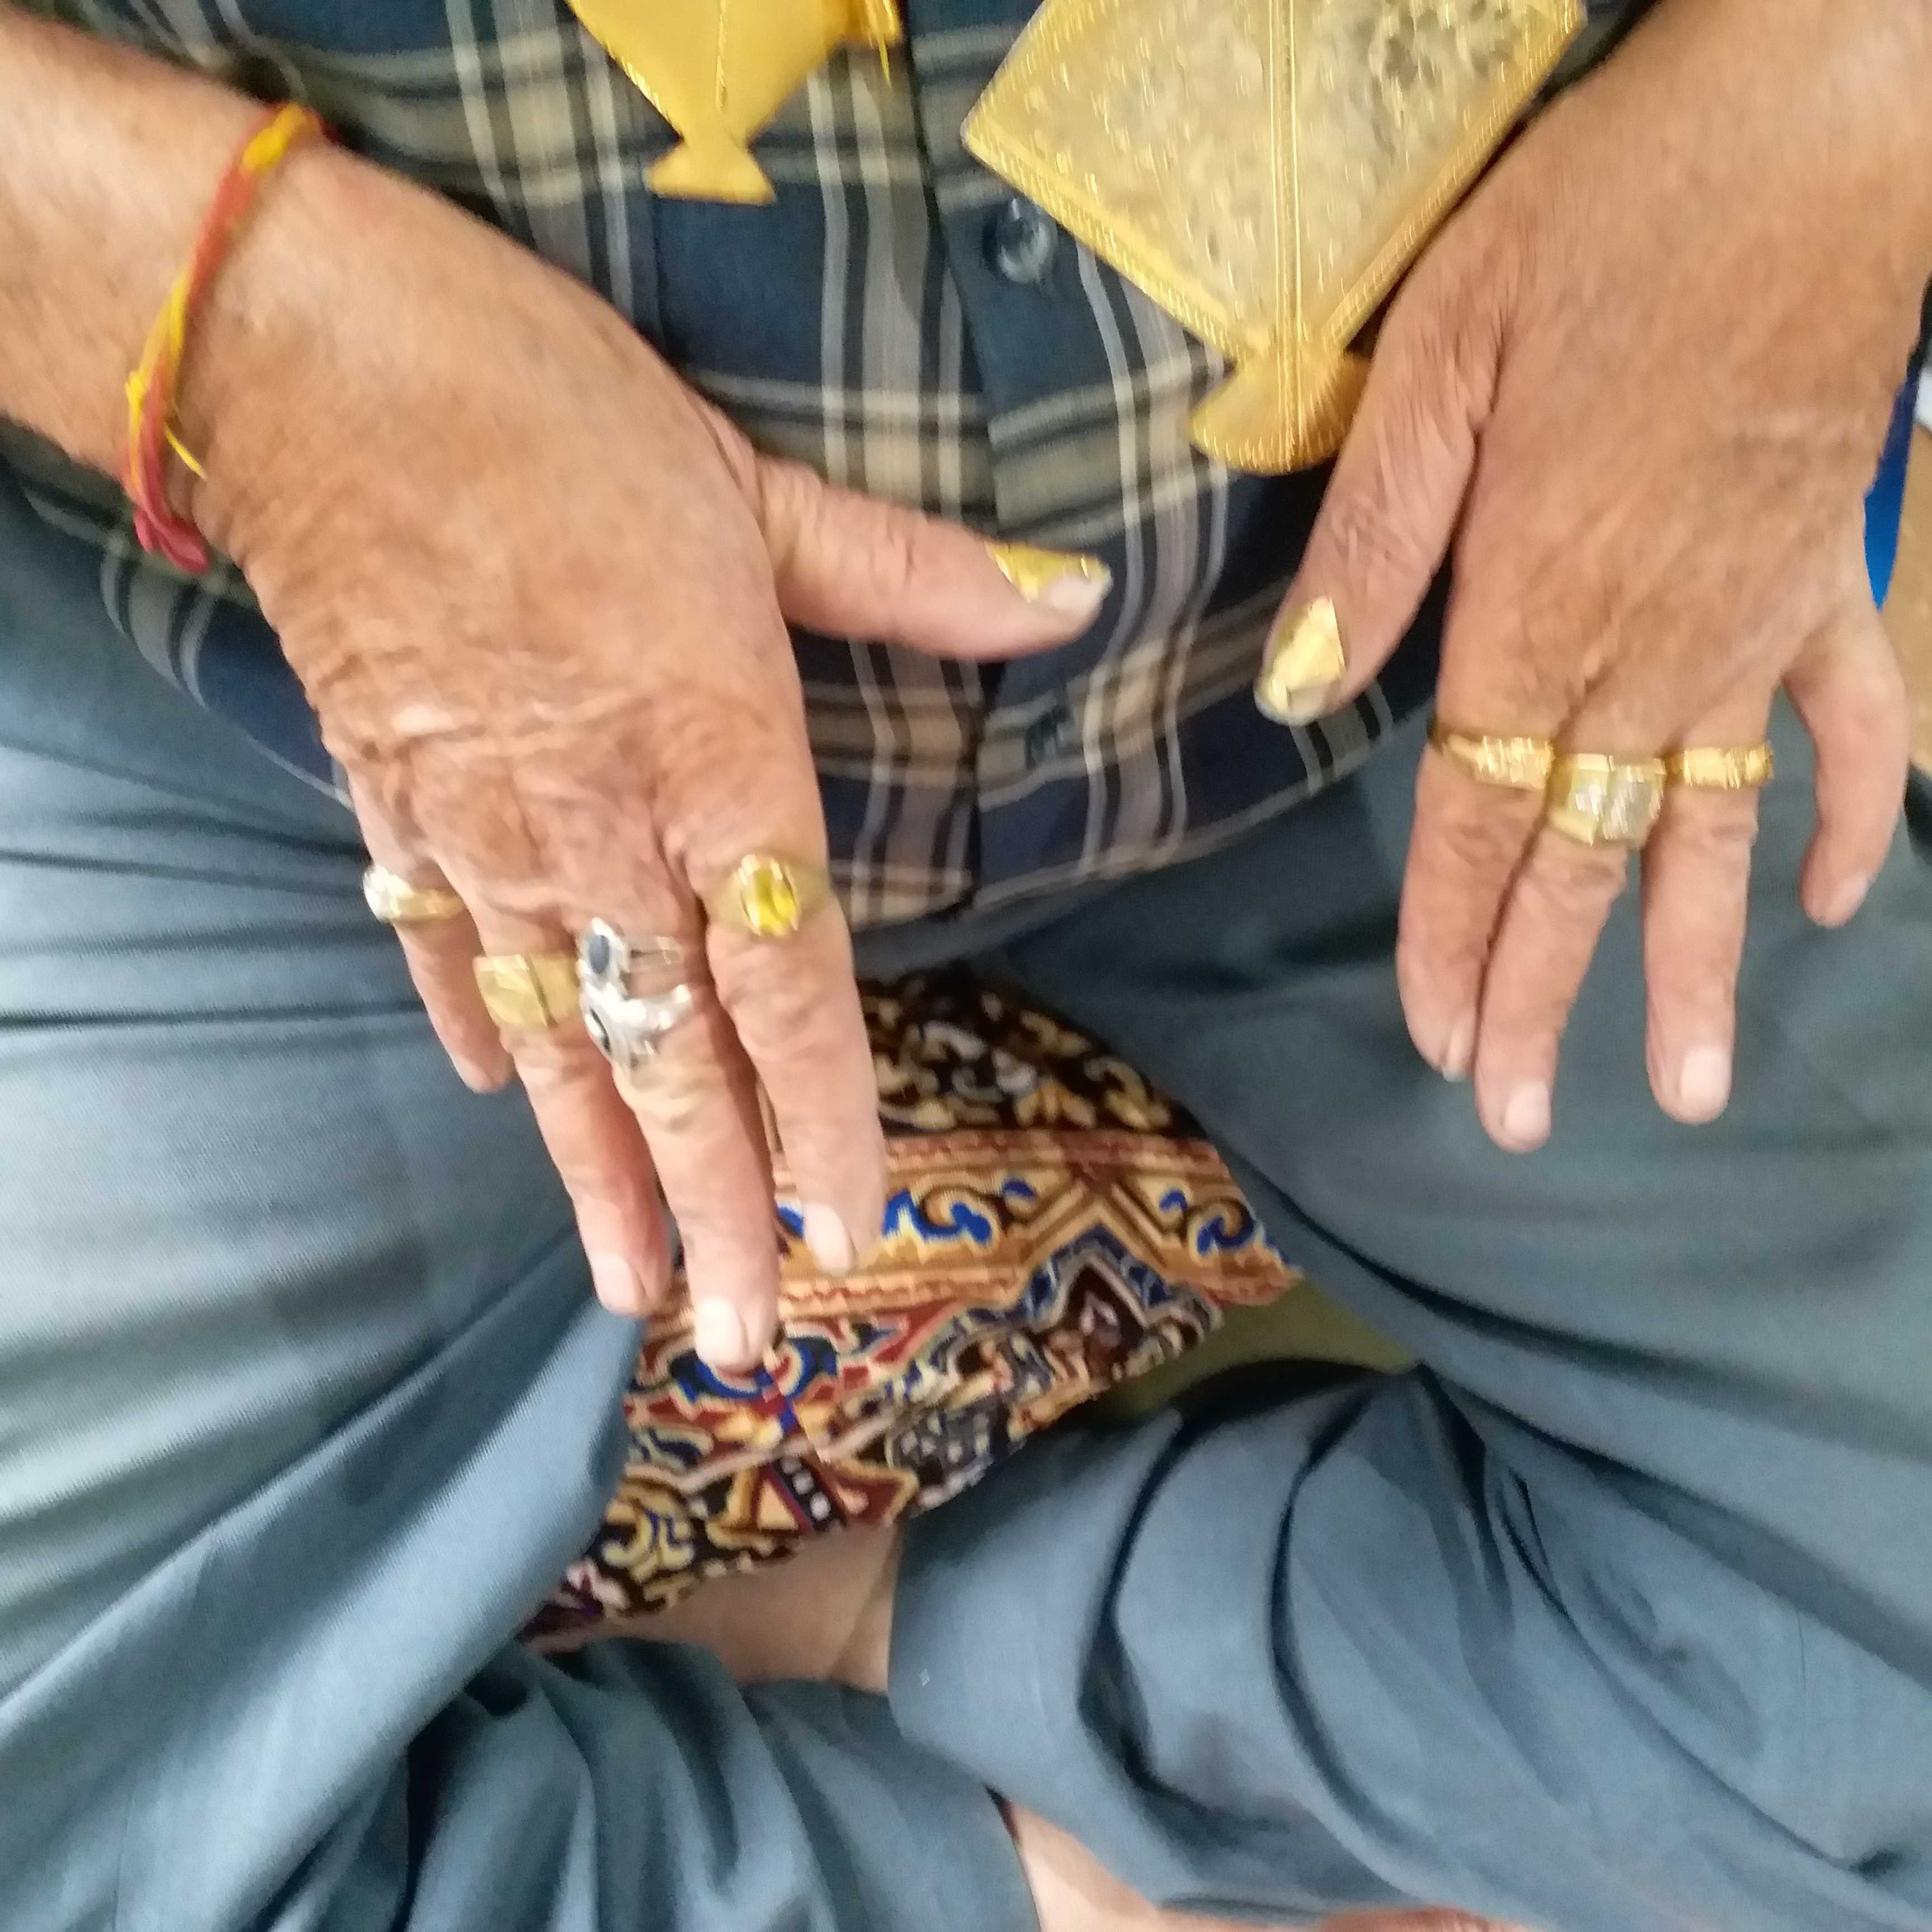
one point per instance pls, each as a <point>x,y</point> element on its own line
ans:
<point>870,324</point>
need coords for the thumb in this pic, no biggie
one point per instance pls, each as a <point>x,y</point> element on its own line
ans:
<point>1392,504</point>
<point>855,566</point>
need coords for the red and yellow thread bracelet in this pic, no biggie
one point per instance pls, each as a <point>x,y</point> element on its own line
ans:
<point>153,388</point>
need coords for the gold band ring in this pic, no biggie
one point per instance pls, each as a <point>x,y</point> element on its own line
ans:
<point>529,992</point>
<point>768,896</point>
<point>1722,767</point>
<point>1522,764</point>
<point>395,901</point>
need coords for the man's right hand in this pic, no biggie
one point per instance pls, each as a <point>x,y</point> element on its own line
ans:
<point>538,592</point>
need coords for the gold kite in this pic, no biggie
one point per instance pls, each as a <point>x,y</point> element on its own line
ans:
<point>1265,170</point>
<point>718,69</point>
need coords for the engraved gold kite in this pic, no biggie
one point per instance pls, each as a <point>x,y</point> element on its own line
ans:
<point>718,69</point>
<point>1264,169</point>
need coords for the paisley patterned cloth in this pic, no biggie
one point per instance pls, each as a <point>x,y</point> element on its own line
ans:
<point>1055,1226</point>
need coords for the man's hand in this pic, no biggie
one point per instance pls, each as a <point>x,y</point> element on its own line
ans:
<point>1638,386</point>
<point>538,592</point>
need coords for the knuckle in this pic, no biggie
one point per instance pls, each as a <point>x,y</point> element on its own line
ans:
<point>1366,529</point>
<point>1481,841</point>
<point>793,1016</point>
<point>1574,885</point>
<point>1717,833</point>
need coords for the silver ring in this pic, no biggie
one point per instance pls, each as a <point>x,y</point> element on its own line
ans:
<point>625,1021</point>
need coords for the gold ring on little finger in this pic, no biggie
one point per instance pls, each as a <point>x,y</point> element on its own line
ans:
<point>1596,799</point>
<point>395,901</point>
<point>769,895</point>
<point>1722,767</point>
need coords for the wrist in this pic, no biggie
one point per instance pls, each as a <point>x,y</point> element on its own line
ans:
<point>107,163</point>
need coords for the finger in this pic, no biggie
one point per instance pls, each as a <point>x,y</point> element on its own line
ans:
<point>1548,931</point>
<point>474,818</point>
<point>856,566</point>
<point>1847,689</point>
<point>1391,505</point>
<point>439,953</point>
<point>601,1155</point>
<point>1697,892</point>
<point>796,1009</point>
<point>696,1099</point>
<point>1468,841</point>
<point>697,1102</point>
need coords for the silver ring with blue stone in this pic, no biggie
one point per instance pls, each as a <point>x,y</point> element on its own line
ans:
<point>625,1014</point>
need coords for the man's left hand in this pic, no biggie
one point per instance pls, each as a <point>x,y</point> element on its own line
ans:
<point>1637,389</point>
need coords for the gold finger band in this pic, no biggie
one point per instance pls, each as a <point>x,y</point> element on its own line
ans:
<point>1599,800</point>
<point>768,896</point>
<point>395,901</point>
<point>1522,764</point>
<point>1722,767</point>
<point>529,992</point>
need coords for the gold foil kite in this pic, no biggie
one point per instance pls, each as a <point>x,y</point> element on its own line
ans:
<point>1264,169</point>
<point>718,69</point>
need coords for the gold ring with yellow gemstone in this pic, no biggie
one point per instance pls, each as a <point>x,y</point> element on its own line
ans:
<point>1722,767</point>
<point>1522,764</point>
<point>395,901</point>
<point>769,895</point>
<point>529,992</point>
<point>1599,800</point>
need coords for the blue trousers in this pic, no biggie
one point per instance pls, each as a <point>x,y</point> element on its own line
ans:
<point>1617,1612</point>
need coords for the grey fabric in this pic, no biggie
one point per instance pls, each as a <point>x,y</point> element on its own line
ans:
<point>304,1405</point>
<point>1617,1613</point>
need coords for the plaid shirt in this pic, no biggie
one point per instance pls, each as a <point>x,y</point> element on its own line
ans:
<point>900,322</point>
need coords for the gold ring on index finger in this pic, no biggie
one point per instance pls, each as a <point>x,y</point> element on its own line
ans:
<point>395,901</point>
<point>769,895</point>
<point>1519,764</point>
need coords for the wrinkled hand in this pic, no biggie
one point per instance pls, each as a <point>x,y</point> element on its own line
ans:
<point>1638,386</point>
<point>537,591</point>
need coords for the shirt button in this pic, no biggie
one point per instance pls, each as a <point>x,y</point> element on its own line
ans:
<point>1048,735</point>
<point>1020,242</point>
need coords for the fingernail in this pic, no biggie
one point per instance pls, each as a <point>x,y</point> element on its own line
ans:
<point>1066,582</point>
<point>1844,904</point>
<point>616,1283</point>
<point>829,1239</point>
<point>1303,665</point>
<point>717,1332</point>
<point>1704,1083</point>
<point>1526,1115</point>
<point>1461,1049</point>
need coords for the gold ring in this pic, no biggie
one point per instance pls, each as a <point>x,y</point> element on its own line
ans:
<point>1722,767</point>
<point>396,902</point>
<point>768,896</point>
<point>529,992</point>
<point>1522,764</point>
<point>1598,800</point>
